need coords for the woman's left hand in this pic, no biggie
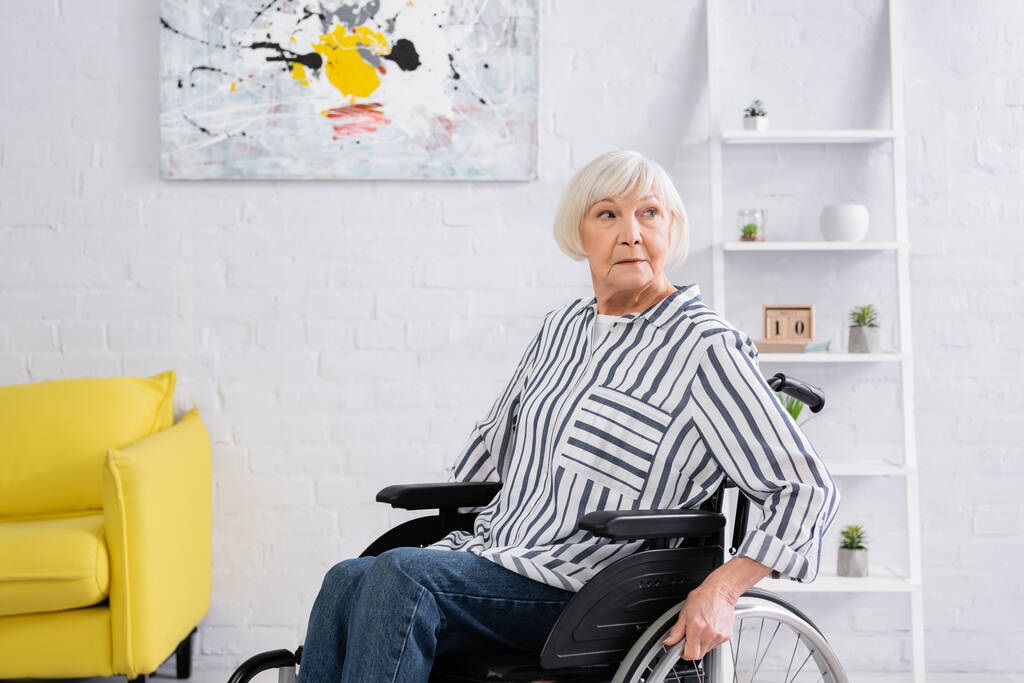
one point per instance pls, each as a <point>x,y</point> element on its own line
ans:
<point>708,614</point>
<point>705,621</point>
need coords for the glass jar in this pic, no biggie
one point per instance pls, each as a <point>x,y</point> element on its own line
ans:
<point>751,225</point>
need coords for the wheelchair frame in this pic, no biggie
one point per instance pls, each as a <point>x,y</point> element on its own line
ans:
<point>614,625</point>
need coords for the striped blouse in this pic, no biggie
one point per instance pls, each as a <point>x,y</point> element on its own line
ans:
<point>666,406</point>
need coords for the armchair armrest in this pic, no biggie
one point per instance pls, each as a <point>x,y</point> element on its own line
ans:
<point>156,509</point>
<point>452,494</point>
<point>624,525</point>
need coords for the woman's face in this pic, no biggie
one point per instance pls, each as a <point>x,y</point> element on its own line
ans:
<point>627,240</point>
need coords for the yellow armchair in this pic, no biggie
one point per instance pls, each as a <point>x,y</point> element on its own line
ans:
<point>104,528</point>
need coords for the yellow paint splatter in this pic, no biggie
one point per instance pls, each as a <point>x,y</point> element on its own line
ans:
<point>299,73</point>
<point>345,68</point>
<point>233,84</point>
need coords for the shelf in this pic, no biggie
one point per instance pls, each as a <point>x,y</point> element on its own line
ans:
<point>866,468</point>
<point>893,463</point>
<point>811,246</point>
<point>881,580</point>
<point>808,137</point>
<point>832,357</point>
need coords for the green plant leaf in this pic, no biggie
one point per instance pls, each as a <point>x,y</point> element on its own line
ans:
<point>854,537</point>
<point>793,406</point>
<point>864,316</point>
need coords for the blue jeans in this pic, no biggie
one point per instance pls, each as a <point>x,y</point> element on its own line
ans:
<point>383,619</point>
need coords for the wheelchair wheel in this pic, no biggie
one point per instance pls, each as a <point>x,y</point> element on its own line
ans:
<point>772,641</point>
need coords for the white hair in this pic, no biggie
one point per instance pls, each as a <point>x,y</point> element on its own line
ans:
<point>615,174</point>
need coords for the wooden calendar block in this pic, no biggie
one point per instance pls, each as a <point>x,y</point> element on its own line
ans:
<point>788,323</point>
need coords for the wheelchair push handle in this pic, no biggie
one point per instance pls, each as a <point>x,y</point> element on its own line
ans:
<point>806,393</point>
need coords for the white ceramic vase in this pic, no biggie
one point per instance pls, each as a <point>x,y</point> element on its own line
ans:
<point>844,222</point>
<point>755,122</point>
<point>852,562</point>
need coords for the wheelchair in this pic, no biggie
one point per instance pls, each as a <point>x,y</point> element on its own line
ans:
<point>612,629</point>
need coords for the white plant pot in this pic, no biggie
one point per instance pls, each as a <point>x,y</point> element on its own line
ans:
<point>844,222</point>
<point>863,340</point>
<point>852,562</point>
<point>755,122</point>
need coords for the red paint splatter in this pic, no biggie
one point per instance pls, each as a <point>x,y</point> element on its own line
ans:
<point>381,69</point>
<point>442,131</point>
<point>358,118</point>
<point>446,123</point>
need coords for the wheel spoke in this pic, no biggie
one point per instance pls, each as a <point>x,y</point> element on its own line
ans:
<point>736,652</point>
<point>802,665</point>
<point>796,645</point>
<point>767,647</point>
<point>757,648</point>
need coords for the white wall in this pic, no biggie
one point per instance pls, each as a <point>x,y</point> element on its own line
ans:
<point>338,336</point>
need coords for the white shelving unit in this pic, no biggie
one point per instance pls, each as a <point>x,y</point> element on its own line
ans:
<point>806,137</point>
<point>812,246</point>
<point>900,580</point>
<point>835,357</point>
<point>882,580</point>
<point>866,468</point>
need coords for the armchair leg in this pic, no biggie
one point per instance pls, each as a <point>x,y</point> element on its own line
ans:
<point>183,657</point>
<point>140,679</point>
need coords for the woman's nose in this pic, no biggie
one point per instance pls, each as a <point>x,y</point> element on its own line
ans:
<point>630,231</point>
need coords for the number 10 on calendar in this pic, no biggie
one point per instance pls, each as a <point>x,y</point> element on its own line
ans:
<point>788,323</point>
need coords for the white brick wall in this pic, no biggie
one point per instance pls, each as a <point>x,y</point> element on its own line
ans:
<point>337,336</point>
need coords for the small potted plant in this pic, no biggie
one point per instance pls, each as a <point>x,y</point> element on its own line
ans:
<point>853,551</point>
<point>751,224</point>
<point>863,329</point>
<point>793,406</point>
<point>755,117</point>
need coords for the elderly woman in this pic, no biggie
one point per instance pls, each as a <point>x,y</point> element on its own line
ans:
<point>641,397</point>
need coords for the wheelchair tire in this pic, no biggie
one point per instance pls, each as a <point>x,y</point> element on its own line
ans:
<point>772,641</point>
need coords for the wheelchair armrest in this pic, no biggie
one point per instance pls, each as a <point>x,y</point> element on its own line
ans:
<point>623,525</point>
<point>452,494</point>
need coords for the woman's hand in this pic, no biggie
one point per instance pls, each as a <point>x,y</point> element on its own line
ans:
<point>707,617</point>
<point>705,621</point>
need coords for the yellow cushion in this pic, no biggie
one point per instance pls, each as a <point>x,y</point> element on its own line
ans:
<point>55,564</point>
<point>57,645</point>
<point>55,435</point>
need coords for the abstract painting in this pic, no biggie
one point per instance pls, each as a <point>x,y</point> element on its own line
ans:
<point>371,89</point>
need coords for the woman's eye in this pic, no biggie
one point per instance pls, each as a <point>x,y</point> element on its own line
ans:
<point>651,213</point>
<point>605,214</point>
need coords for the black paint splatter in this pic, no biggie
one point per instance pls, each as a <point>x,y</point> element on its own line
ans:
<point>163,23</point>
<point>456,76</point>
<point>307,13</point>
<point>213,69</point>
<point>310,59</point>
<point>404,55</point>
<point>201,128</point>
<point>203,67</point>
<point>262,10</point>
